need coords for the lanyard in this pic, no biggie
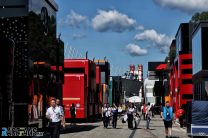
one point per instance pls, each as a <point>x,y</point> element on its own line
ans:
<point>54,110</point>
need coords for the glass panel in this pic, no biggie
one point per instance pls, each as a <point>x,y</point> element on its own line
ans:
<point>197,52</point>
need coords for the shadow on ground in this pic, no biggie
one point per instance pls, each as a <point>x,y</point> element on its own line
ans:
<point>77,128</point>
<point>70,129</point>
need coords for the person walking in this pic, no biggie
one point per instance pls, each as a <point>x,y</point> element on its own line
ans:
<point>144,111</point>
<point>110,119</point>
<point>103,115</point>
<point>54,114</point>
<point>119,110</point>
<point>58,104</point>
<point>115,115</point>
<point>180,114</point>
<point>106,114</point>
<point>148,115</point>
<point>130,113</point>
<point>168,117</point>
<point>73,113</point>
<point>152,110</point>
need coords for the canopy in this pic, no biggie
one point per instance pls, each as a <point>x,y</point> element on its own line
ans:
<point>135,99</point>
<point>161,67</point>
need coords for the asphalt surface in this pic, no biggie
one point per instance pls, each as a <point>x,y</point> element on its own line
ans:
<point>96,130</point>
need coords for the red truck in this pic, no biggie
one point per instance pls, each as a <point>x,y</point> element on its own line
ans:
<point>80,88</point>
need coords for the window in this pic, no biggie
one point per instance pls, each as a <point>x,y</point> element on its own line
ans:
<point>186,71</point>
<point>74,70</point>
<point>187,96</point>
<point>187,61</point>
<point>187,81</point>
<point>103,77</point>
<point>197,52</point>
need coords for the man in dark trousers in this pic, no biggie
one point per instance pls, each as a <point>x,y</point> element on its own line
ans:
<point>168,117</point>
<point>130,115</point>
<point>58,104</point>
<point>54,114</point>
<point>144,111</point>
<point>181,114</point>
<point>73,113</point>
<point>115,115</point>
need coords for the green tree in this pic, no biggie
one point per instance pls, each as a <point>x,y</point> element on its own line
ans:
<point>199,17</point>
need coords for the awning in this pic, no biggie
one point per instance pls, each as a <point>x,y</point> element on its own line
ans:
<point>135,99</point>
<point>161,67</point>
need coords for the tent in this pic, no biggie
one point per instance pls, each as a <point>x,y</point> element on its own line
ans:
<point>135,99</point>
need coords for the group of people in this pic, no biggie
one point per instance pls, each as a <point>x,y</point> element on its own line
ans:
<point>146,108</point>
<point>167,114</point>
<point>55,115</point>
<point>110,112</point>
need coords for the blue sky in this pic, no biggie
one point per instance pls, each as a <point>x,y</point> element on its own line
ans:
<point>125,31</point>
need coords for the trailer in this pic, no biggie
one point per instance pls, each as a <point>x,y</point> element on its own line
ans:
<point>80,88</point>
<point>197,118</point>
<point>75,92</point>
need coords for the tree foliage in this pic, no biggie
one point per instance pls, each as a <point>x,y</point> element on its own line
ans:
<point>199,17</point>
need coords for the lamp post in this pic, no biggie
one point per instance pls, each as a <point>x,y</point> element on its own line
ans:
<point>57,65</point>
<point>124,97</point>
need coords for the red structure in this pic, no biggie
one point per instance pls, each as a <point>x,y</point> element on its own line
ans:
<point>181,81</point>
<point>185,78</point>
<point>181,90</point>
<point>99,92</point>
<point>80,87</point>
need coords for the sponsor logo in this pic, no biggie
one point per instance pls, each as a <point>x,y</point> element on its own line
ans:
<point>20,131</point>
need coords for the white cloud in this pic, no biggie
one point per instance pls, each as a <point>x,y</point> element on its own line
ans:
<point>140,27</point>
<point>74,19</point>
<point>188,6</point>
<point>135,50</point>
<point>161,41</point>
<point>78,36</point>
<point>113,21</point>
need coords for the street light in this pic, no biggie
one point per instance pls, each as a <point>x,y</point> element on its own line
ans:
<point>124,96</point>
<point>57,65</point>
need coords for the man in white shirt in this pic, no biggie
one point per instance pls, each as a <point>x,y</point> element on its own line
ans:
<point>58,104</point>
<point>130,114</point>
<point>106,114</point>
<point>55,115</point>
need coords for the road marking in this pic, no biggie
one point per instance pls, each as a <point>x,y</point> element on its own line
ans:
<point>133,132</point>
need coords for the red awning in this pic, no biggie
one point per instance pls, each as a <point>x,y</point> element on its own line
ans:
<point>161,67</point>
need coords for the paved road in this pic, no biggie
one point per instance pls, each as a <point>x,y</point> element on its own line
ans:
<point>96,130</point>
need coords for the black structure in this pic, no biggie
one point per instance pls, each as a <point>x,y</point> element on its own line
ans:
<point>123,88</point>
<point>6,77</point>
<point>31,25</point>
<point>183,41</point>
<point>116,85</point>
<point>131,87</point>
<point>200,56</point>
<point>156,71</point>
<point>105,71</point>
<point>153,73</point>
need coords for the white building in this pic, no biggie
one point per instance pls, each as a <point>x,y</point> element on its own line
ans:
<point>149,91</point>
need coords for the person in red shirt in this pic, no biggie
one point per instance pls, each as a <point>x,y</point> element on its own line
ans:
<point>180,114</point>
<point>144,111</point>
